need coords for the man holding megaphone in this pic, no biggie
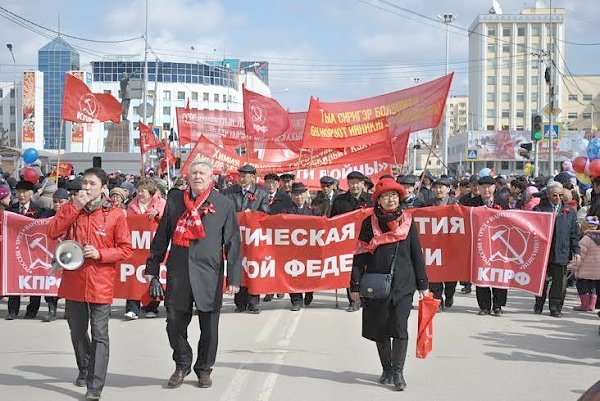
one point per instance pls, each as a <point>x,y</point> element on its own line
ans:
<point>91,220</point>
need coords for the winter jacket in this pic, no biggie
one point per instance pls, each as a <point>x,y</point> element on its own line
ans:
<point>157,203</point>
<point>565,239</point>
<point>106,229</point>
<point>589,267</point>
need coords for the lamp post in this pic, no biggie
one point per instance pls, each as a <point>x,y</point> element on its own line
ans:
<point>447,19</point>
<point>10,49</point>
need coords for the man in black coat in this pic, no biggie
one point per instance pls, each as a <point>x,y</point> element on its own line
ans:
<point>425,194</point>
<point>324,199</point>
<point>202,227</point>
<point>299,205</point>
<point>354,199</point>
<point>281,200</point>
<point>408,182</point>
<point>565,246</point>
<point>246,195</point>
<point>27,207</point>
<point>494,298</point>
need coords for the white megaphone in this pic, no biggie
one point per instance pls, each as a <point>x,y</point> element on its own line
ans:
<point>68,256</point>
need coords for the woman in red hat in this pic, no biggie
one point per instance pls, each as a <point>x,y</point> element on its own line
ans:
<point>389,238</point>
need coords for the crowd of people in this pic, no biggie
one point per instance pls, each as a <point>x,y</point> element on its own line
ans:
<point>196,220</point>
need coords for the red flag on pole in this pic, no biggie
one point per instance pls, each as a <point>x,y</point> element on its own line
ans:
<point>168,159</point>
<point>263,116</point>
<point>80,105</point>
<point>148,140</point>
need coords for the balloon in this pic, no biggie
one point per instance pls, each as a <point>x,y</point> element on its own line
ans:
<point>579,164</point>
<point>594,168</point>
<point>567,166</point>
<point>31,175</point>
<point>579,147</point>
<point>485,172</point>
<point>584,179</point>
<point>593,149</point>
<point>30,155</point>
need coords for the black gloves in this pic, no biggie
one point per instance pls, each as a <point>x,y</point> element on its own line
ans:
<point>156,290</point>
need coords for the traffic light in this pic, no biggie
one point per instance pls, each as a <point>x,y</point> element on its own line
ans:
<point>536,127</point>
<point>525,151</point>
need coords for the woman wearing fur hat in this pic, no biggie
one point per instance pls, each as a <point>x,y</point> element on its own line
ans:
<point>385,321</point>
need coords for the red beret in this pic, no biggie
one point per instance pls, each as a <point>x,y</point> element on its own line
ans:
<point>386,185</point>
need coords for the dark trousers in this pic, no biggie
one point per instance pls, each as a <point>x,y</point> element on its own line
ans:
<point>177,324</point>
<point>14,303</point>
<point>447,288</point>
<point>91,356</point>
<point>488,298</point>
<point>297,297</point>
<point>585,286</point>
<point>556,279</point>
<point>132,305</point>
<point>243,299</point>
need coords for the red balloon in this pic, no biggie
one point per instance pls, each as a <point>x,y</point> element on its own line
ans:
<point>579,164</point>
<point>31,175</point>
<point>595,168</point>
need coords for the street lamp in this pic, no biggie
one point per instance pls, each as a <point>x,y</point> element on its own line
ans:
<point>447,19</point>
<point>9,46</point>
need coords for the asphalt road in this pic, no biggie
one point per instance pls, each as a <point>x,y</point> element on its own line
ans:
<point>318,354</point>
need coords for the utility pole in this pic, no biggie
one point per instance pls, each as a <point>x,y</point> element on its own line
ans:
<point>9,46</point>
<point>447,19</point>
<point>550,80</point>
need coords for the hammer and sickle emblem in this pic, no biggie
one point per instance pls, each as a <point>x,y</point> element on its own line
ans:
<point>257,113</point>
<point>511,254</point>
<point>88,105</point>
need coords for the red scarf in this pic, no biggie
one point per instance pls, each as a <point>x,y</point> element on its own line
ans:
<point>189,226</point>
<point>398,231</point>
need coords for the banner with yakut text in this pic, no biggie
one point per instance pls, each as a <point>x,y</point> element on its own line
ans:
<point>290,253</point>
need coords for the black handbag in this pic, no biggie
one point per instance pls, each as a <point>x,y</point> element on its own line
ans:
<point>378,285</point>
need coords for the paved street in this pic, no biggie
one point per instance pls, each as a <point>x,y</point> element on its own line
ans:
<point>318,354</point>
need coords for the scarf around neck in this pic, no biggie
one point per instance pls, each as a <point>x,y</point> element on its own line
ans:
<point>189,226</point>
<point>398,224</point>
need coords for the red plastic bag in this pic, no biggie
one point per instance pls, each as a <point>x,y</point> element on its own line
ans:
<point>428,307</point>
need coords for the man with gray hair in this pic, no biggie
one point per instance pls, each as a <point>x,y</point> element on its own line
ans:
<point>565,246</point>
<point>202,227</point>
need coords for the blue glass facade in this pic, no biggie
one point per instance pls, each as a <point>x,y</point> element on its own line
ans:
<point>54,60</point>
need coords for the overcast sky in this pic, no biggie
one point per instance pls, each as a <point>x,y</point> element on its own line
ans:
<point>333,49</point>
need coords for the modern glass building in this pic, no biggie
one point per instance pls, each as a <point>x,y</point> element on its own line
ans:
<point>54,60</point>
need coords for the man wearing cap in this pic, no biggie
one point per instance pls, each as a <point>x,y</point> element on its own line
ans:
<point>466,200</point>
<point>354,199</point>
<point>495,298</point>
<point>282,200</point>
<point>441,190</point>
<point>425,193</point>
<point>408,182</point>
<point>130,188</point>
<point>324,199</point>
<point>26,207</point>
<point>299,205</point>
<point>246,195</point>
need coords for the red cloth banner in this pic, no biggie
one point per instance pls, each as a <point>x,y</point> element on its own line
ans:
<point>148,140</point>
<point>374,169</point>
<point>80,105</point>
<point>291,253</point>
<point>428,307</point>
<point>64,170</point>
<point>168,159</point>
<point>263,116</point>
<point>510,248</point>
<point>366,121</point>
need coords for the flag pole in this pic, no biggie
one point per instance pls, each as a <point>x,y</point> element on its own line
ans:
<point>62,124</point>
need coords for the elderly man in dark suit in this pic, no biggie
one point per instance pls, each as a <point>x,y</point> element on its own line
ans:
<point>324,199</point>
<point>202,227</point>
<point>27,207</point>
<point>246,195</point>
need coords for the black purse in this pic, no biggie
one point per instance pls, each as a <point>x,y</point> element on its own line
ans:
<point>378,285</point>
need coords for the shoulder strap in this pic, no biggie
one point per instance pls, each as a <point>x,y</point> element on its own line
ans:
<point>394,258</point>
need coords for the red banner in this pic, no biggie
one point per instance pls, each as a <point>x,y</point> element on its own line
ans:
<point>510,248</point>
<point>148,140</point>
<point>366,121</point>
<point>290,253</point>
<point>263,116</point>
<point>82,106</point>
<point>64,170</point>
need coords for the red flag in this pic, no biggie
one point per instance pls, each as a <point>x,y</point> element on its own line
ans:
<point>168,159</point>
<point>148,140</point>
<point>64,170</point>
<point>263,116</point>
<point>80,105</point>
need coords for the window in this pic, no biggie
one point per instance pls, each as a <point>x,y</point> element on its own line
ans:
<point>519,165</point>
<point>12,110</point>
<point>572,115</point>
<point>491,113</point>
<point>107,91</point>
<point>535,80</point>
<point>586,116</point>
<point>490,127</point>
<point>491,80</point>
<point>216,98</point>
<point>492,63</point>
<point>224,98</point>
<point>205,96</point>
<point>520,114</point>
<point>491,97</point>
<point>506,32</point>
<point>520,97</point>
<point>12,93</point>
<point>166,95</point>
<point>505,128</point>
<point>166,110</point>
<point>506,48</point>
<point>519,128</point>
<point>505,96</point>
<point>521,80</point>
<point>491,48</point>
<point>534,97</point>
<point>194,95</point>
<point>180,95</point>
<point>150,94</point>
<point>588,98</point>
<point>535,31</point>
<point>505,80</point>
<point>491,32</point>
<point>521,31</point>
<point>166,126</point>
<point>573,97</point>
<point>505,113</point>
<point>504,165</point>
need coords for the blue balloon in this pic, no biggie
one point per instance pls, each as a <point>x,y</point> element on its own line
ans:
<point>593,149</point>
<point>485,172</point>
<point>30,155</point>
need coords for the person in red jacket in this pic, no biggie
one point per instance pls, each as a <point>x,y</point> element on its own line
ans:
<point>92,221</point>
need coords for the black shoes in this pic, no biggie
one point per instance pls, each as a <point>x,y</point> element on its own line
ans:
<point>177,377</point>
<point>80,380</point>
<point>204,380</point>
<point>498,311</point>
<point>92,396</point>
<point>308,298</point>
<point>353,307</point>
<point>11,316</point>
<point>555,313</point>
<point>386,377</point>
<point>295,307</point>
<point>537,310</point>
<point>239,309</point>
<point>449,302</point>
<point>268,298</point>
<point>253,309</point>
<point>484,312</point>
<point>398,379</point>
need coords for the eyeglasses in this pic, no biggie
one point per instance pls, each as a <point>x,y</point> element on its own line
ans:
<point>390,196</point>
